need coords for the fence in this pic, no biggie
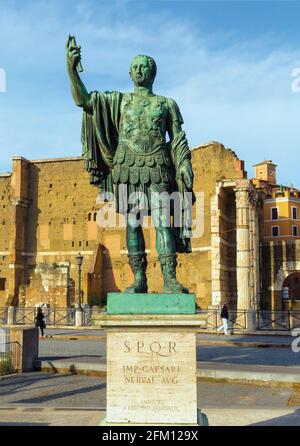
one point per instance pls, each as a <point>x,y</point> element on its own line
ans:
<point>60,316</point>
<point>237,319</point>
<point>88,315</point>
<point>265,320</point>
<point>3,315</point>
<point>52,316</point>
<point>10,358</point>
<point>9,353</point>
<point>24,315</point>
<point>278,320</point>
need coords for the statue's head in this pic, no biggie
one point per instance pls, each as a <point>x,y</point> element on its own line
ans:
<point>143,70</point>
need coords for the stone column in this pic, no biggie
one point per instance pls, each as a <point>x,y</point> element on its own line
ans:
<point>251,253</point>
<point>255,249</point>
<point>243,244</point>
<point>215,250</point>
<point>18,228</point>
<point>11,316</point>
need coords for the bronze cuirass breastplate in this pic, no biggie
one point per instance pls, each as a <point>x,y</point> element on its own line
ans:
<point>143,124</point>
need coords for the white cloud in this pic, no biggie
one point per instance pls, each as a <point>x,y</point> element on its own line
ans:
<point>237,92</point>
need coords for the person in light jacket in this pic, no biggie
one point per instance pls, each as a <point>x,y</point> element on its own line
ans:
<point>224,316</point>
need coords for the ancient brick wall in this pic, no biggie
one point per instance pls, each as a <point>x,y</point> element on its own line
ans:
<point>61,222</point>
<point>60,205</point>
<point>279,260</point>
<point>5,226</point>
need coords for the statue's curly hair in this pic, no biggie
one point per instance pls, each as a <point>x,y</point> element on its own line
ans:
<point>151,61</point>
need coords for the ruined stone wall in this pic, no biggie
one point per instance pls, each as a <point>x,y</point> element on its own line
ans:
<point>48,284</point>
<point>212,163</point>
<point>5,226</point>
<point>60,222</point>
<point>279,260</point>
<point>62,207</point>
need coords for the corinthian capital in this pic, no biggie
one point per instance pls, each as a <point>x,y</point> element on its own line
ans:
<point>242,196</point>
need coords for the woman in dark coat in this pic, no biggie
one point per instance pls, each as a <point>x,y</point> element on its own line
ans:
<point>39,320</point>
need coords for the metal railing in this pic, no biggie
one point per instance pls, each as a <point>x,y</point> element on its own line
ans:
<point>9,353</point>
<point>265,320</point>
<point>277,320</point>
<point>24,315</point>
<point>237,319</point>
<point>88,315</point>
<point>10,357</point>
<point>60,316</point>
<point>211,317</point>
<point>52,316</point>
<point>3,315</point>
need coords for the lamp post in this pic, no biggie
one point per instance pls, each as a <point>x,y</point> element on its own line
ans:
<point>79,260</point>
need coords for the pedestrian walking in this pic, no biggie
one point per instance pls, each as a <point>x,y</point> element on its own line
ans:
<point>39,320</point>
<point>224,316</point>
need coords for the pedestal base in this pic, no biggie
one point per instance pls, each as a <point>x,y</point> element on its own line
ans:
<point>151,360</point>
<point>150,303</point>
<point>202,420</point>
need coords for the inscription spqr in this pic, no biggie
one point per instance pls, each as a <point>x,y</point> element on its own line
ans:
<point>151,376</point>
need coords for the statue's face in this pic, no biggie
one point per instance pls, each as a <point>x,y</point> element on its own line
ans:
<point>140,71</point>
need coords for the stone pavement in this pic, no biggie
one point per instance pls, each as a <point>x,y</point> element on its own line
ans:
<point>281,341</point>
<point>74,400</point>
<point>93,350</point>
<point>214,360</point>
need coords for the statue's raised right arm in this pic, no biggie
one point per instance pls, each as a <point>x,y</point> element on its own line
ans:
<point>80,94</point>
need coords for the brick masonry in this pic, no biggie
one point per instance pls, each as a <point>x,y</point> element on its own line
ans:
<point>48,212</point>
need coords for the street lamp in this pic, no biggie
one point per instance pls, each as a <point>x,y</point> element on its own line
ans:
<point>79,260</point>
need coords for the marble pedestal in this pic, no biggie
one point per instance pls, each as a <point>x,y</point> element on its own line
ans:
<point>151,369</point>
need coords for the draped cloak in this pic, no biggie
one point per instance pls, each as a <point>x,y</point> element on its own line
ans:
<point>100,136</point>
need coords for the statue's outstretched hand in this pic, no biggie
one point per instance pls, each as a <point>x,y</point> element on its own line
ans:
<point>186,173</point>
<point>73,54</point>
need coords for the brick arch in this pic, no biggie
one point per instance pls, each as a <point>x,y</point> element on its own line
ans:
<point>292,281</point>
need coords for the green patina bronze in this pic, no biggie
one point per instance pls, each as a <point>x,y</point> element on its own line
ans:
<point>152,303</point>
<point>124,144</point>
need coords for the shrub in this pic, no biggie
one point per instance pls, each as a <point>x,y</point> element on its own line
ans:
<point>6,365</point>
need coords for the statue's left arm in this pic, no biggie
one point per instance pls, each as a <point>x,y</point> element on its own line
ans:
<point>180,151</point>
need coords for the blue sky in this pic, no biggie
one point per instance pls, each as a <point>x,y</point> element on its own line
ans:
<point>228,65</point>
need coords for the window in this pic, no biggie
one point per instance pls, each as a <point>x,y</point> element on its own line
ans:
<point>294,213</point>
<point>274,212</point>
<point>275,231</point>
<point>285,292</point>
<point>295,231</point>
<point>2,283</point>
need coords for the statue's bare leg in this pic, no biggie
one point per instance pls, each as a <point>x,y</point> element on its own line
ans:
<point>136,255</point>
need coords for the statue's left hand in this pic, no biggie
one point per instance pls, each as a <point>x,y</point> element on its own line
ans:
<point>186,172</point>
